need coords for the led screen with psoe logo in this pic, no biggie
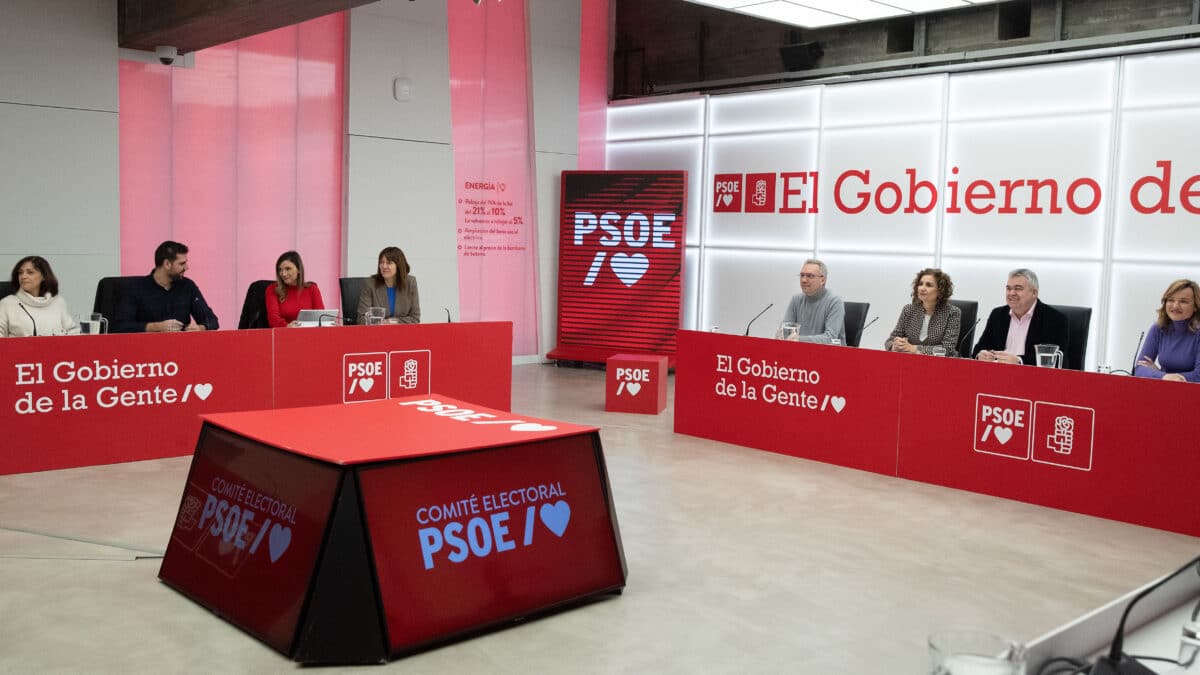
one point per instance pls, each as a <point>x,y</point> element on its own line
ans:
<point>621,245</point>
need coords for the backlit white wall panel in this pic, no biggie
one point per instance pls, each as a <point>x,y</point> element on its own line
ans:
<point>885,281</point>
<point>770,154</point>
<point>1135,308</point>
<point>1028,149</point>
<point>1088,86</point>
<point>1060,123</point>
<point>656,120</point>
<point>690,313</point>
<point>1148,137</point>
<point>739,284</point>
<point>912,99</point>
<point>1060,282</point>
<point>1153,80</point>
<point>762,112</point>
<point>672,155</point>
<point>871,165</point>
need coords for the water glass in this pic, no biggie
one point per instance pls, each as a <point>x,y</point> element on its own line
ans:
<point>788,331</point>
<point>1048,356</point>
<point>92,324</point>
<point>374,316</point>
<point>974,652</point>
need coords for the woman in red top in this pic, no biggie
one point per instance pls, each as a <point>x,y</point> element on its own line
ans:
<point>290,293</point>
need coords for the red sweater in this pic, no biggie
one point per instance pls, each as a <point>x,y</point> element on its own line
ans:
<point>280,314</point>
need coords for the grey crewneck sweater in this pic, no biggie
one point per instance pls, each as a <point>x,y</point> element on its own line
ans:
<point>822,317</point>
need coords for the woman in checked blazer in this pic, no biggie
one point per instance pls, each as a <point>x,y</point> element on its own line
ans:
<point>392,288</point>
<point>930,320</point>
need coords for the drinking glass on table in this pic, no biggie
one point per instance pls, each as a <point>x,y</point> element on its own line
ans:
<point>374,316</point>
<point>975,652</point>
<point>92,324</point>
<point>788,331</point>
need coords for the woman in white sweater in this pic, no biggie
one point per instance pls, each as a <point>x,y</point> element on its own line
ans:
<point>35,307</point>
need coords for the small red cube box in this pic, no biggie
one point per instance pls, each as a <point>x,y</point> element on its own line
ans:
<point>636,383</point>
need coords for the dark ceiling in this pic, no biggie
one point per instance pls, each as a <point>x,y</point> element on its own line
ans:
<point>191,25</point>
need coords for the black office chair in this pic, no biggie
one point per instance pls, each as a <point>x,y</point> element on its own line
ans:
<point>108,294</point>
<point>1079,321</point>
<point>351,288</point>
<point>966,340</point>
<point>6,289</point>
<point>254,307</point>
<point>856,318</point>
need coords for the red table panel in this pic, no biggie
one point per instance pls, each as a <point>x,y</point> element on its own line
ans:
<point>807,400</point>
<point>1101,445</point>
<point>79,401</point>
<point>83,400</point>
<point>1097,444</point>
<point>471,361</point>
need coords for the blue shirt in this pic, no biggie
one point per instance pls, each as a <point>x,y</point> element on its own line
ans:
<point>143,301</point>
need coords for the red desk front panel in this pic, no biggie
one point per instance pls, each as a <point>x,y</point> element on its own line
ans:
<point>1100,445</point>
<point>470,361</point>
<point>812,401</point>
<point>80,401</point>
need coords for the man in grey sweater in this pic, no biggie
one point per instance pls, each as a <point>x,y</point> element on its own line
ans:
<point>820,314</point>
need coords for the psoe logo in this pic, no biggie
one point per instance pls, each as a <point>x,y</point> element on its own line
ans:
<point>631,380</point>
<point>1002,425</point>
<point>364,377</point>
<point>756,192</point>
<point>637,232</point>
<point>727,193</point>
<point>409,372</point>
<point>459,414</point>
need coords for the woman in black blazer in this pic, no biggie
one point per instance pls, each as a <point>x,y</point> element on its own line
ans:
<point>930,320</point>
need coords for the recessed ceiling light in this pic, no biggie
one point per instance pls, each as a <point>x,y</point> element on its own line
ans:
<point>818,13</point>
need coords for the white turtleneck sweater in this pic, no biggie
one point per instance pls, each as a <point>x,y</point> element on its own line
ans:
<point>22,313</point>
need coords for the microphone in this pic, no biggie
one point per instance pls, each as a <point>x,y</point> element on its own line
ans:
<point>447,315</point>
<point>864,329</point>
<point>764,311</point>
<point>22,306</point>
<point>964,335</point>
<point>1117,662</point>
<point>322,318</point>
<point>1137,349</point>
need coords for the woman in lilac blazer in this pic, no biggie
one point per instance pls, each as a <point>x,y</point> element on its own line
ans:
<point>1172,348</point>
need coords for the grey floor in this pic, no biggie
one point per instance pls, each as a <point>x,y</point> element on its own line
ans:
<point>739,561</point>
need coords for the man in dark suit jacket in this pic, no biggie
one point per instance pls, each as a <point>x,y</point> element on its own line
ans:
<point>1039,323</point>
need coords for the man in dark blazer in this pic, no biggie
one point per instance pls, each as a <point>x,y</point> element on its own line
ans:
<point>1014,328</point>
